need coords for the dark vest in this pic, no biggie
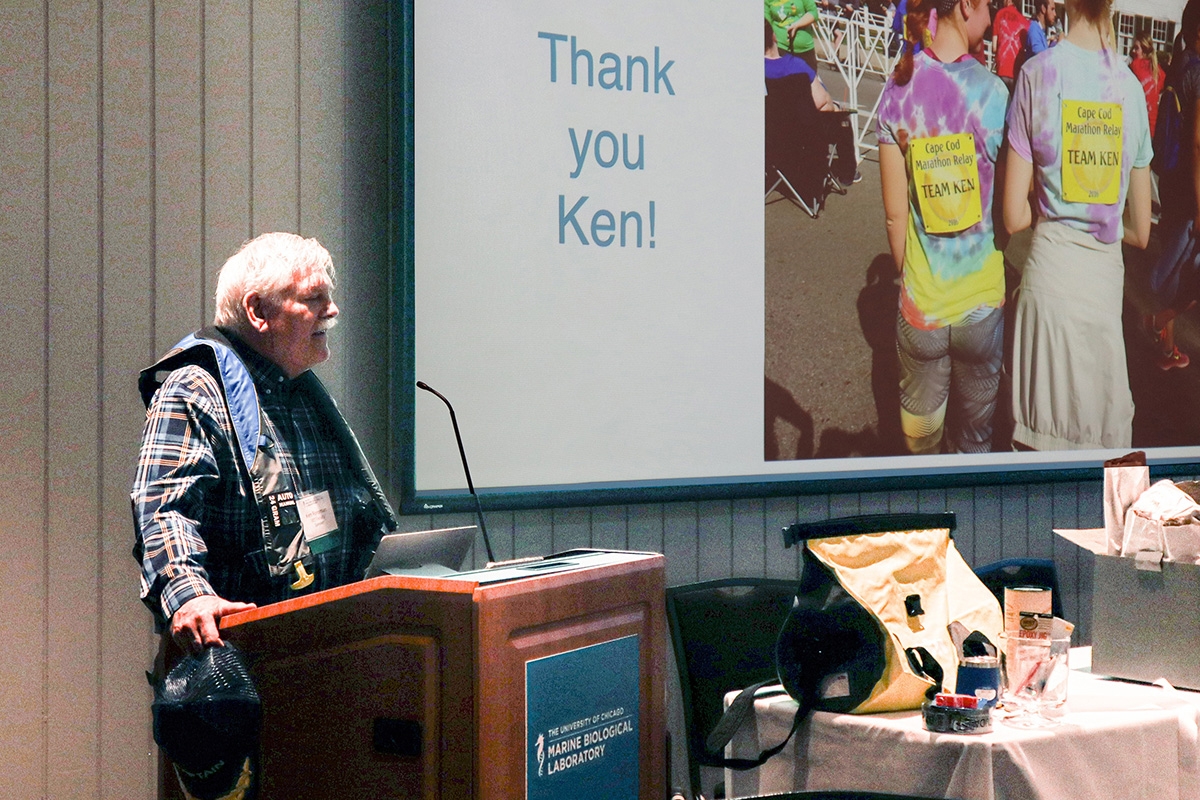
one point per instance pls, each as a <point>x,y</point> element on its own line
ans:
<point>285,551</point>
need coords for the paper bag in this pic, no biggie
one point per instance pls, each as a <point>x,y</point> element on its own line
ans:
<point>1163,520</point>
<point>1125,479</point>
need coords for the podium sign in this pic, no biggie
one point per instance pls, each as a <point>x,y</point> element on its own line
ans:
<point>581,722</point>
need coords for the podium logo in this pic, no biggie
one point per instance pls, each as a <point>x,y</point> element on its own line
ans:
<point>541,752</point>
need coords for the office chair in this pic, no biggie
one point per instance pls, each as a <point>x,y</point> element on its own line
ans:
<point>1022,572</point>
<point>724,633</point>
<point>799,143</point>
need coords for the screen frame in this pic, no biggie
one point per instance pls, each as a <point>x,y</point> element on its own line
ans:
<point>402,381</point>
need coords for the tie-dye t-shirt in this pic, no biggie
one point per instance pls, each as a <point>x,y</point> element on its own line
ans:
<point>1069,76</point>
<point>948,276</point>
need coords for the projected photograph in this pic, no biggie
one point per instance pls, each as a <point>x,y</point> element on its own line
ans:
<point>647,261</point>
<point>844,381</point>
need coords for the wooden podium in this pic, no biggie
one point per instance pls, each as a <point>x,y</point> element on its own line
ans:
<point>415,687</point>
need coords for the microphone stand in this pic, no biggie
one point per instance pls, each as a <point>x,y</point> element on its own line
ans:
<point>463,454</point>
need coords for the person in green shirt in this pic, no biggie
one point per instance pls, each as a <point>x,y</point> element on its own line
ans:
<point>793,21</point>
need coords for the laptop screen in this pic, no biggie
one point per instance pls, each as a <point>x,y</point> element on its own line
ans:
<point>433,552</point>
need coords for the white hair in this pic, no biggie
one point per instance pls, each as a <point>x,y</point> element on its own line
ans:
<point>268,265</point>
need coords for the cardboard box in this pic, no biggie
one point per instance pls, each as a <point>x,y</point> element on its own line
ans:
<point>1145,614</point>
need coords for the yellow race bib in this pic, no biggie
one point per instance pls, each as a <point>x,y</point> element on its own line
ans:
<point>946,177</point>
<point>1091,157</point>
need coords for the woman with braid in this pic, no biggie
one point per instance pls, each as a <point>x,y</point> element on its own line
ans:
<point>941,127</point>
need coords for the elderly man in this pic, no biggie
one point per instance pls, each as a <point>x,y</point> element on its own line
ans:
<point>250,486</point>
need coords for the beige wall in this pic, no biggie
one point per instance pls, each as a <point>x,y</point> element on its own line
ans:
<point>140,143</point>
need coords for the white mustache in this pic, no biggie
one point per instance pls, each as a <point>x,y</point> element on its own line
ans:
<point>327,325</point>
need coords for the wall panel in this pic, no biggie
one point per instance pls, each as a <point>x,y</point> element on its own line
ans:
<point>1014,500</point>
<point>930,500</point>
<point>714,539</point>
<point>680,542</point>
<point>126,199</point>
<point>979,513</point>
<point>179,287</point>
<point>749,539</point>
<point>1064,513</point>
<point>322,123</point>
<point>1037,513</point>
<point>1090,514</point>
<point>73,410</point>
<point>971,516</point>
<point>275,158</point>
<point>904,502</point>
<point>366,343</point>
<point>533,533</point>
<point>609,528</point>
<point>571,528</point>
<point>645,528</point>
<point>874,503</point>
<point>227,136</point>
<point>812,507</point>
<point>778,513</point>
<point>23,353</point>
<point>320,155</point>
<point>844,505</point>
<point>501,530</point>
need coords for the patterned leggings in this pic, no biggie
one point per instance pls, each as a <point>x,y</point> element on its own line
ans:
<point>961,362</point>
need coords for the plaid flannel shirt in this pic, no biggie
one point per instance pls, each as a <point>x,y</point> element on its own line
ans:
<point>198,527</point>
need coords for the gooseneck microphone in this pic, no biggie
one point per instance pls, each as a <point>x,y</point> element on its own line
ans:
<point>463,453</point>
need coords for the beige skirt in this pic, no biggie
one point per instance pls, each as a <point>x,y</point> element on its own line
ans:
<point>1070,382</point>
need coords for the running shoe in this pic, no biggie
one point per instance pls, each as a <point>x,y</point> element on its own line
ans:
<point>1175,358</point>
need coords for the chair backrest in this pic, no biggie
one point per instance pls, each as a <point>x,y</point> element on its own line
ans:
<point>1022,572</point>
<point>724,634</point>
<point>796,142</point>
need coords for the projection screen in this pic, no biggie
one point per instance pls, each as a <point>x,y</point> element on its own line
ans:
<point>579,226</point>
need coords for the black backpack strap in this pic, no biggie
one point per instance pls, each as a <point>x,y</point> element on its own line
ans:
<point>741,707</point>
<point>867,523</point>
<point>924,664</point>
<point>329,407</point>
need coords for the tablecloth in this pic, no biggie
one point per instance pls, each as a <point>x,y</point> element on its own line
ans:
<point>1116,740</point>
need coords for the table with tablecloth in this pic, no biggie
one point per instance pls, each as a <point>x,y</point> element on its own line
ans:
<point>1114,740</point>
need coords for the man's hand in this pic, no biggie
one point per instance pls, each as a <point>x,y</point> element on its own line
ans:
<point>196,624</point>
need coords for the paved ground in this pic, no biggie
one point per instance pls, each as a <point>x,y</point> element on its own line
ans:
<point>830,344</point>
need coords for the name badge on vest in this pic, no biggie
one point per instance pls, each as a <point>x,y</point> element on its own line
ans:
<point>1091,155</point>
<point>319,522</point>
<point>946,177</point>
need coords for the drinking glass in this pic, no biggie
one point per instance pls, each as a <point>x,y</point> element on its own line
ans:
<point>1036,688</point>
<point>1054,691</point>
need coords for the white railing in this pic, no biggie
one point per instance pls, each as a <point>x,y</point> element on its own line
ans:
<point>857,46</point>
<point>860,45</point>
